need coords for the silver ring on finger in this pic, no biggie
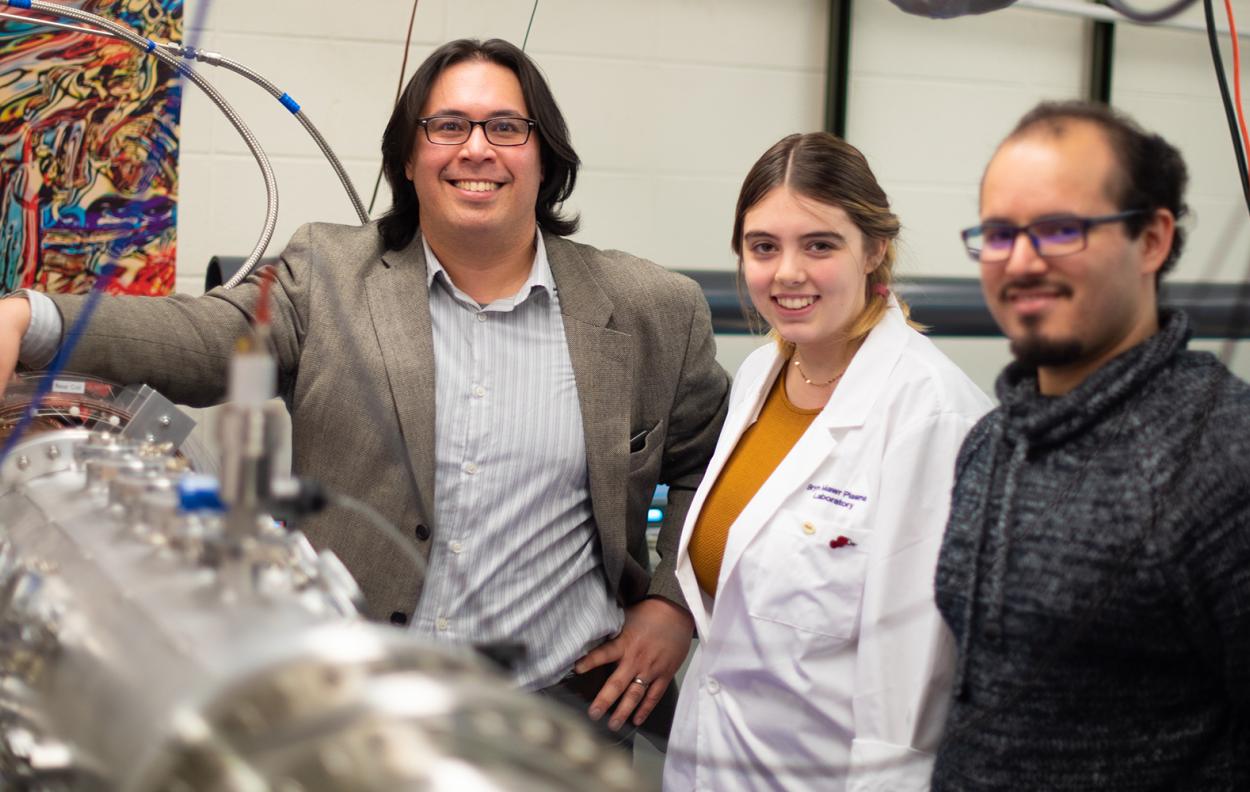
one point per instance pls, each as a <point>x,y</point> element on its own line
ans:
<point>640,681</point>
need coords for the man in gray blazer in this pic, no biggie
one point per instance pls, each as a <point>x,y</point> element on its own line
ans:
<point>508,398</point>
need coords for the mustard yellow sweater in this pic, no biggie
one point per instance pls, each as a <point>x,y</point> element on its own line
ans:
<point>758,453</point>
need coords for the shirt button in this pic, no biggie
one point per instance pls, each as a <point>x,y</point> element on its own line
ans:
<point>399,617</point>
<point>713,686</point>
<point>481,316</point>
<point>469,468</point>
<point>479,391</point>
<point>808,528</point>
<point>442,624</point>
<point>422,531</point>
<point>456,548</point>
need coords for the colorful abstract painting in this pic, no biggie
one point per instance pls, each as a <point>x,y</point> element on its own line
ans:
<point>88,152</point>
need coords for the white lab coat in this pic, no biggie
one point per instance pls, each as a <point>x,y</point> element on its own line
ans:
<point>827,667</point>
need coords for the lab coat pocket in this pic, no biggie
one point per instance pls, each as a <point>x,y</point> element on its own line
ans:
<point>812,574</point>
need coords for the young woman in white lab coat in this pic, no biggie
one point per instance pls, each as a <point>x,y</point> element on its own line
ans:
<point>808,557</point>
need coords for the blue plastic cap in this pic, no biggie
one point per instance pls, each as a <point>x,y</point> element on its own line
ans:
<point>199,493</point>
<point>19,3</point>
<point>289,103</point>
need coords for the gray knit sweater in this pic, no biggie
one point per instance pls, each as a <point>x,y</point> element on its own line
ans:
<point>1096,575</point>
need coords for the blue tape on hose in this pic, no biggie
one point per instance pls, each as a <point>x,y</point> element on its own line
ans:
<point>151,45</point>
<point>19,3</point>
<point>289,103</point>
<point>189,53</point>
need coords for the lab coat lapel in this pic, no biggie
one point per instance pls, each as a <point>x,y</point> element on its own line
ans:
<point>399,305</point>
<point>809,453</point>
<point>742,414</point>
<point>850,406</point>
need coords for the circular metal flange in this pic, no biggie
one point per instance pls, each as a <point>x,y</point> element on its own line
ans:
<point>41,455</point>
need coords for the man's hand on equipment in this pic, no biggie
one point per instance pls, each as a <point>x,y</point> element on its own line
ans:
<point>14,319</point>
<point>649,649</point>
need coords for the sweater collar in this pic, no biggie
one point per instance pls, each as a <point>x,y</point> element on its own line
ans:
<point>1046,420</point>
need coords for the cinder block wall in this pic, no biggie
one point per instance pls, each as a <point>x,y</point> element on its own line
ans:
<point>670,101</point>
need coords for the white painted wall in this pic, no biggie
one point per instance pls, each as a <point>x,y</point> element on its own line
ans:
<point>670,101</point>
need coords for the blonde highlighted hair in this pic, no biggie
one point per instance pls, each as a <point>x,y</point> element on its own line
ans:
<point>825,168</point>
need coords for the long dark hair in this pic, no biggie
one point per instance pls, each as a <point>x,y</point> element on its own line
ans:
<point>559,161</point>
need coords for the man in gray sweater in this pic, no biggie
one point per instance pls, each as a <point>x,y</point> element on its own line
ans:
<point>1096,566</point>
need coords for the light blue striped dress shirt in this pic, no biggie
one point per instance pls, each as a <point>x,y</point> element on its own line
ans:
<point>514,552</point>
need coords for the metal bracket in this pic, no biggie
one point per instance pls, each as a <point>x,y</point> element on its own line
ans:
<point>155,419</point>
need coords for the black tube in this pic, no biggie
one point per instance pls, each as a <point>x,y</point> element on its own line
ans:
<point>954,307</point>
<point>1229,111</point>
<point>1150,16</point>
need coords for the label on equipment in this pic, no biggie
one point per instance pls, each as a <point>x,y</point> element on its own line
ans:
<point>69,386</point>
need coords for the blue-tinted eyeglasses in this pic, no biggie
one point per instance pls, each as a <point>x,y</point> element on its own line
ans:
<point>1058,235</point>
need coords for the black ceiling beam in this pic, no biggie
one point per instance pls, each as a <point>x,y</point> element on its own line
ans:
<point>1101,58</point>
<point>838,69</point>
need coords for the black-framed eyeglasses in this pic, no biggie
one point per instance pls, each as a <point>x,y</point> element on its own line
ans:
<point>1057,235</point>
<point>500,131</point>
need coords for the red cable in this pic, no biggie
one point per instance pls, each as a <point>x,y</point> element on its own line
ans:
<point>1241,114</point>
<point>262,300</point>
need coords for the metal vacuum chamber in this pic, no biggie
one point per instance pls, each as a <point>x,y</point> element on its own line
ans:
<point>146,646</point>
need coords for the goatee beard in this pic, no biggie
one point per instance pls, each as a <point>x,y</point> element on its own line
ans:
<point>1038,352</point>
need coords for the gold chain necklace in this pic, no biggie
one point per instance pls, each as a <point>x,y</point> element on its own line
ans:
<point>803,376</point>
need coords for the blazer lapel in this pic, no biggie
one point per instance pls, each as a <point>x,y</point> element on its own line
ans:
<point>399,305</point>
<point>603,369</point>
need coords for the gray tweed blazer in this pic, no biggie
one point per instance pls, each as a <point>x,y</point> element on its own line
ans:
<point>351,331</point>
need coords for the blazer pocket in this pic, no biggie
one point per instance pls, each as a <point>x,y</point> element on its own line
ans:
<point>643,445</point>
<point>813,574</point>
